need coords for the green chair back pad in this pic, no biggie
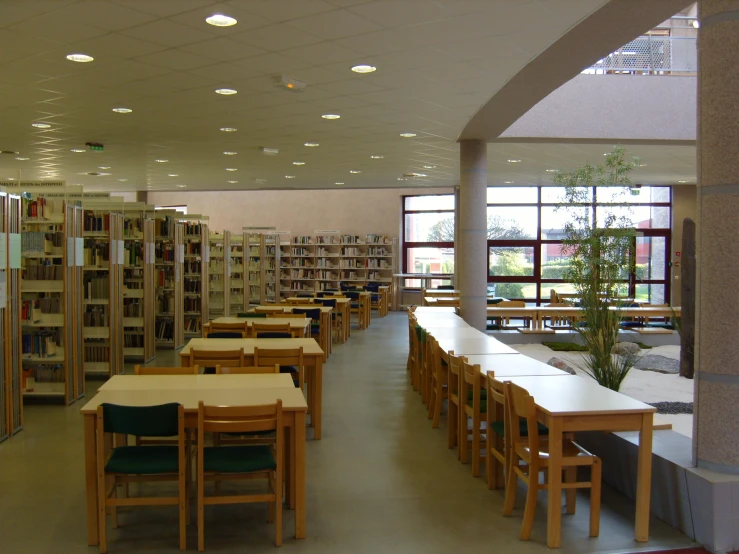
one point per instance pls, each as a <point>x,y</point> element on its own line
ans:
<point>141,421</point>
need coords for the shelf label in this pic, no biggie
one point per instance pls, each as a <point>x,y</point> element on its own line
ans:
<point>326,232</point>
<point>14,240</point>
<point>121,252</point>
<point>3,251</point>
<point>181,251</point>
<point>206,253</point>
<point>79,251</point>
<point>3,289</point>
<point>152,253</point>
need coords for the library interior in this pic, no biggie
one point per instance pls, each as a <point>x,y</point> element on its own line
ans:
<point>369,275</point>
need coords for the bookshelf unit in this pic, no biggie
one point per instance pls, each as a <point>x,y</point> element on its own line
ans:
<point>195,278</point>
<point>168,255</point>
<point>51,298</point>
<point>102,289</point>
<point>237,265</point>
<point>271,268</point>
<point>11,401</point>
<point>328,249</point>
<point>303,263</point>
<point>138,285</point>
<point>263,265</point>
<point>285,265</point>
<point>353,260</point>
<point>381,258</point>
<point>217,274</point>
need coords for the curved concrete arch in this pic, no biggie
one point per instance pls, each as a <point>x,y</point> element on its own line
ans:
<point>612,26</point>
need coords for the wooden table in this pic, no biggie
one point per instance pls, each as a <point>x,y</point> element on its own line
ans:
<point>523,312</point>
<point>300,326</point>
<point>426,278</point>
<point>512,365</point>
<point>464,346</point>
<point>445,332</point>
<point>342,309</point>
<point>384,291</point>
<point>441,301</point>
<point>568,404</point>
<point>439,321</point>
<point>312,355</point>
<point>294,408</point>
<point>435,310</point>
<point>199,382</point>
<point>325,339</point>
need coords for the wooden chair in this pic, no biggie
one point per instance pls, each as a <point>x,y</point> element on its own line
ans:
<point>298,301</point>
<point>249,370</point>
<point>533,452</point>
<point>280,315</point>
<point>229,328</point>
<point>290,360</point>
<point>422,363</point>
<point>241,462</point>
<point>212,358</point>
<point>497,448</point>
<point>124,464</point>
<point>257,328</point>
<point>473,407</point>
<point>438,390</point>
<point>412,347</point>
<point>139,370</point>
<point>356,306</point>
<point>454,369</point>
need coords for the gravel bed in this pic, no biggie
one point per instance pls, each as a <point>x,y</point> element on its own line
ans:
<point>673,408</point>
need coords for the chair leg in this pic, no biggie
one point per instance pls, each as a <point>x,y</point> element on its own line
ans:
<point>438,400</point>
<point>510,487</point>
<point>201,513</point>
<point>432,399</point>
<point>530,510</point>
<point>475,446</point>
<point>464,445</point>
<point>491,462</point>
<point>595,488</point>
<point>570,494</point>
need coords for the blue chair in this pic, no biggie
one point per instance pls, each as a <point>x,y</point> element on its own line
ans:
<point>274,335</point>
<point>314,314</point>
<point>304,295</point>
<point>335,316</point>
<point>226,335</point>
<point>355,306</point>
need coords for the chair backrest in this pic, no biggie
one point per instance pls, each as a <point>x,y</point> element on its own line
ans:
<point>321,294</point>
<point>372,287</point>
<point>445,287</point>
<point>432,350</point>
<point>211,358</point>
<point>227,335</point>
<point>353,294</point>
<point>252,314</point>
<point>240,326</point>
<point>327,302</point>
<point>141,421</point>
<point>257,329</point>
<point>274,335</point>
<point>238,419</point>
<point>138,370</point>
<point>493,393</point>
<point>279,356</point>
<point>249,370</point>
<point>520,404</point>
<point>279,315</point>
<point>314,314</point>
<point>304,295</point>
<point>265,310</point>
<point>510,304</point>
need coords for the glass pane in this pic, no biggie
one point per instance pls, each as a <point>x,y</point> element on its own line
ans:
<point>640,217</point>
<point>654,294</point>
<point>555,261</point>
<point>507,223</point>
<point>429,227</point>
<point>510,261</point>
<point>430,260</point>
<point>561,288</point>
<point>513,195</point>
<point>632,195</point>
<point>651,253</point>
<point>556,195</point>
<point>553,220</point>
<point>513,291</point>
<point>433,283</point>
<point>430,202</point>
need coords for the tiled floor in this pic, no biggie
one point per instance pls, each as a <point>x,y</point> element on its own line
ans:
<point>381,480</point>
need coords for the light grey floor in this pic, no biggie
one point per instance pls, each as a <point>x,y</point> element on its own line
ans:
<point>381,480</point>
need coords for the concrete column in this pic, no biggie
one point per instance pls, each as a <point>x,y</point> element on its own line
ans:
<point>715,440</point>
<point>456,237</point>
<point>471,243</point>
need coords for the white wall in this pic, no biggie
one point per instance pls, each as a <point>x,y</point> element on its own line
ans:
<point>353,211</point>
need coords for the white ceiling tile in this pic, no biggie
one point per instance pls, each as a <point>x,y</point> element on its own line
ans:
<point>241,11</point>
<point>163,8</point>
<point>106,15</point>
<point>348,87</point>
<point>391,13</point>
<point>20,45</point>
<point>224,72</point>
<point>285,10</point>
<point>222,49</point>
<point>116,45</point>
<point>175,60</point>
<point>271,64</point>
<point>326,52</point>
<point>334,24</point>
<point>168,33</point>
<point>275,38</point>
<point>380,42</point>
<point>53,27</point>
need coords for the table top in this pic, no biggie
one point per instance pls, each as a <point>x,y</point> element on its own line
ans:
<point>438,321</point>
<point>512,365</point>
<point>494,309</point>
<point>297,322</point>
<point>447,332</point>
<point>574,395</point>
<point>310,346</point>
<point>289,307</point>
<point>191,382</point>
<point>439,299</point>
<point>292,398</point>
<point>435,310</point>
<point>481,345</point>
<point>338,300</point>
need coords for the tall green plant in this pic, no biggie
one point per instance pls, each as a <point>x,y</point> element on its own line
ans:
<point>600,256</point>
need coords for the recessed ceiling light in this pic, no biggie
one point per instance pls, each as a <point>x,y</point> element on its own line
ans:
<point>230,153</point>
<point>77,150</point>
<point>298,163</point>
<point>226,91</point>
<point>231,169</point>
<point>123,180</point>
<point>401,179</point>
<point>21,159</point>
<point>233,182</point>
<point>429,167</point>
<point>414,175</point>
<point>149,187</point>
<point>551,170</point>
<point>682,181</point>
<point>339,183</point>
<point>122,110</point>
<point>407,135</point>
<point>311,144</point>
<point>508,182</point>
<point>229,129</point>
<point>363,68</point>
<point>289,176</point>
<point>40,125</point>
<point>220,20</point>
<point>181,186</point>
<point>10,178</point>
<point>514,161</point>
<point>82,58</point>
<point>330,116</point>
<point>269,151</point>
<point>161,161</point>
<point>103,167</point>
<point>354,171</point>
<point>377,157</point>
<point>173,174</point>
<point>641,165</point>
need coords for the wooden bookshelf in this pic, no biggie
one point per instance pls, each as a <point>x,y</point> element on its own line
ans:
<point>218,264</point>
<point>237,264</point>
<point>11,404</point>
<point>285,265</point>
<point>303,263</point>
<point>328,253</point>
<point>353,260</point>
<point>51,299</point>
<point>195,277</point>
<point>381,258</point>
<point>271,268</point>
<point>263,265</point>
<point>138,284</point>
<point>168,270</point>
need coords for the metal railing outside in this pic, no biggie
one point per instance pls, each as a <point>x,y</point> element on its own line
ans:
<point>651,55</point>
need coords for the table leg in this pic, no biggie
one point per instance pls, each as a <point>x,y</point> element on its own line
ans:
<point>289,465</point>
<point>644,479</point>
<point>299,474</point>
<point>554,500</point>
<point>91,484</point>
<point>317,394</point>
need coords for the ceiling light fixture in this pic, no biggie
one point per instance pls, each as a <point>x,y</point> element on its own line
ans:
<point>81,58</point>
<point>401,179</point>
<point>429,167</point>
<point>310,144</point>
<point>233,182</point>
<point>122,110</point>
<point>161,161</point>
<point>298,163</point>
<point>407,135</point>
<point>551,171</point>
<point>508,182</point>
<point>226,91</point>
<point>123,180</point>
<point>338,183</point>
<point>231,169</point>
<point>363,68</point>
<point>220,20</point>
<point>682,182</point>
<point>289,176</point>
<point>230,153</point>
<point>77,150</point>
<point>269,151</point>
<point>354,171</point>
<point>331,116</point>
<point>40,125</point>
<point>103,167</point>
<point>181,186</point>
<point>229,129</point>
<point>376,157</point>
<point>21,159</point>
<point>514,161</point>
<point>173,174</point>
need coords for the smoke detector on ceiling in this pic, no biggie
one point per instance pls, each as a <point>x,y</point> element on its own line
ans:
<point>287,83</point>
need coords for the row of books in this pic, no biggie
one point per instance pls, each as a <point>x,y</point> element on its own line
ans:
<point>192,229</point>
<point>134,254</point>
<point>192,285</point>
<point>191,304</point>
<point>96,288</point>
<point>164,252</point>
<point>96,254</point>
<point>165,330</point>
<point>164,278</point>
<point>193,248</point>
<point>192,324</point>
<point>165,304</point>
<point>164,227</point>
<point>133,340</point>
<point>93,222</point>
<point>37,242</point>
<point>97,351</point>
<point>35,208</point>
<point>95,316</point>
<point>47,373</point>
<point>41,344</point>
<point>133,308</point>
<point>38,271</point>
<point>193,267</point>
<point>133,227</point>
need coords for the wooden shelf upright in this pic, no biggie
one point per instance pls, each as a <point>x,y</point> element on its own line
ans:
<point>285,265</point>
<point>195,277</point>
<point>236,264</point>
<point>327,259</point>
<point>218,276</point>
<point>353,260</point>
<point>169,254</point>
<point>303,260</point>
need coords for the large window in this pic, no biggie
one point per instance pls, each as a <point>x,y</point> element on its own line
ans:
<point>526,258</point>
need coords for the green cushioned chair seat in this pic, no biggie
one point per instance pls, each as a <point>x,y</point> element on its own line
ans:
<point>483,399</point>
<point>661,325</point>
<point>238,459</point>
<point>143,460</point>
<point>251,314</point>
<point>499,429</point>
